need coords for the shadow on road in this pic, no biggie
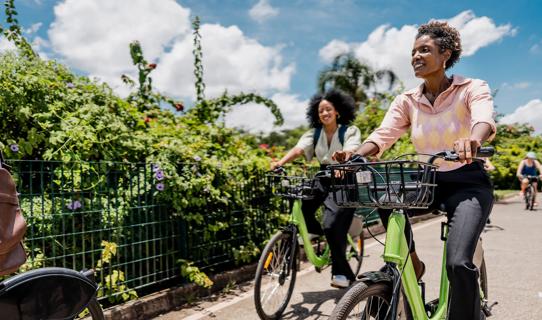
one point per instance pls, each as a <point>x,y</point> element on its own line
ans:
<point>314,299</point>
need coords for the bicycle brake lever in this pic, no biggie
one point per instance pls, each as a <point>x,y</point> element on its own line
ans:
<point>356,158</point>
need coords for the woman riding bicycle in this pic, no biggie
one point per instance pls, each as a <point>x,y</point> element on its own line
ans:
<point>329,116</point>
<point>445,113</point>
<point>529,167</point>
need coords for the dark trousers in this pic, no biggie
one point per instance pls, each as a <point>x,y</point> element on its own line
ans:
<point>337,221</point>
<point>467,197</point>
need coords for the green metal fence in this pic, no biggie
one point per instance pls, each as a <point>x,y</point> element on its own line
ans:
<point>75,211</point>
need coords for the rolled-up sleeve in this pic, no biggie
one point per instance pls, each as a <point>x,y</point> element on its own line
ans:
<point>352,139</point>
<point>480,103</point>
<point>396,122</point>
<point>306,143</point>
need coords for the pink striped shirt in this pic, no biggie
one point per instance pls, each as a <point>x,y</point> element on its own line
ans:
<point>436,127</point>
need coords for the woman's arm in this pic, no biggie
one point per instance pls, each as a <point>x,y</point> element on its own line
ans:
<point>293,154</point>
<point>539,168</point>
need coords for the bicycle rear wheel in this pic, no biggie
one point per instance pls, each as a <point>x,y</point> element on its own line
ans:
<point>364,301</point>
<point>275,276</point>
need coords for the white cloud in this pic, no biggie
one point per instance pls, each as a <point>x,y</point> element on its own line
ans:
<point>536,48</point>
<point>388,47</point>
<point>231,61</point>
<point>260,118</point>
<point>518,85</point>
<point>93,35</point>
<point>33,28</point>
<point>479,32</point>
<point>530,113</point>
<point>334,48</point>
<point>262,11</point>
<point>6,45</point>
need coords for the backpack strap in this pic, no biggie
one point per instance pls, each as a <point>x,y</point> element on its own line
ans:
<point>342,132</point>
<point>316,136</point>
<point>318,131</point>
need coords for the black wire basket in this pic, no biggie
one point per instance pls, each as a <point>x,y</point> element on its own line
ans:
<point>398,184</point>
<point>291,187</point>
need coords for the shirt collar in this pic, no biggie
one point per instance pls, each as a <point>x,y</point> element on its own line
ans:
<point>457,80</point>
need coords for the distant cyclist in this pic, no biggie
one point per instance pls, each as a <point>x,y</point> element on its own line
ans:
<point>529,167</point>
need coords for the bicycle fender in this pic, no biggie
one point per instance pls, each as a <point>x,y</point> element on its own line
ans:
<point>375,277</point>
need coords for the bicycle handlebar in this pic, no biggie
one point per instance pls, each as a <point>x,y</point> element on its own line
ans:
<point>484,152</point>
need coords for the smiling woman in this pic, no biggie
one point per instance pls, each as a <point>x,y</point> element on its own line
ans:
<point>445,113</point>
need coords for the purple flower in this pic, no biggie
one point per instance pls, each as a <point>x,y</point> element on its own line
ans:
<point>74,205</point>
<point>155,167</point>
<point>70,85</point>
<point>160,186</point>
<point>197,158</point>
<point>159,175</point>
<point>14,148</point>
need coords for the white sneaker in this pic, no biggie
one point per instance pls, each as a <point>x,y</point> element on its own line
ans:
<point>340,281</point>
<point>312,236</point>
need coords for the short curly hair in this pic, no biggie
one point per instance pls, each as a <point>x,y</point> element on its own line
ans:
<point>445,36</point>
<point>341,101</point>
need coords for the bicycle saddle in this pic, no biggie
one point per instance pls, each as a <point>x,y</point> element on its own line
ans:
<point>47,293</point>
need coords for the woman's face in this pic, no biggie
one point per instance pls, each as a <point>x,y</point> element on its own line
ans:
<point>327,113</point>
<point>426,57</point>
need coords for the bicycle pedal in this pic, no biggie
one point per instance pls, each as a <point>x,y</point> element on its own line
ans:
<point>487,308</point>
<point>431,306</point>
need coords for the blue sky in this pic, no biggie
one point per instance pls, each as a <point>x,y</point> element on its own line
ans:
<point>278,47</point>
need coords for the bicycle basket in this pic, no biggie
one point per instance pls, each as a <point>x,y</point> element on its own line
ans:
<point>398,184</point>
<point>291,187</point>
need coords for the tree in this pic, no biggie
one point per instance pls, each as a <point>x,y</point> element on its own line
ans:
<point>350,75</point>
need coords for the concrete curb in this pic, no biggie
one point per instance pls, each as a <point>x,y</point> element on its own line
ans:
<point>170,299</point>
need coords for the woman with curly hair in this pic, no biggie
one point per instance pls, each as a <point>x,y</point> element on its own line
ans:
<point>445,113</point>
<point>329,116</point>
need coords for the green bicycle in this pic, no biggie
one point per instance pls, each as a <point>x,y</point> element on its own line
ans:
<point>279,261</point>
<point>393,292</point>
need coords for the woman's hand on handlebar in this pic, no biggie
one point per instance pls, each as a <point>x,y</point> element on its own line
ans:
<point>274,165</point>
<point>341,156</point>
<point>466,149</point>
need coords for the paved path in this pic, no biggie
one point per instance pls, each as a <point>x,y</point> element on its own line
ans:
<point>514,263</point>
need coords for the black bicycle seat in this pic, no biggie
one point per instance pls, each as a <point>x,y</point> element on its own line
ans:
<point>47,293</point>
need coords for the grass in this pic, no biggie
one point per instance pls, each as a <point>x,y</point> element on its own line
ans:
<point>501,194</point>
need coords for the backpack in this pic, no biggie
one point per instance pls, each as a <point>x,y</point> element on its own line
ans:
<point>318,131</point>
<point>12,224</point>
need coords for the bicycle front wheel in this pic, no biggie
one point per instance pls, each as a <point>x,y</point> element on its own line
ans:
<point>364,301</point>
<point>275,276</point>
<point>95,309</point>
<point>529,197</point>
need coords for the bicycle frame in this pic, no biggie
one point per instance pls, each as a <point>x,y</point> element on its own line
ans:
<point>396,252</point>
<point>297,218</point>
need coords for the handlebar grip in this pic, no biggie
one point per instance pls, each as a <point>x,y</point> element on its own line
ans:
<point>485,152</point>
<point>356,158</point>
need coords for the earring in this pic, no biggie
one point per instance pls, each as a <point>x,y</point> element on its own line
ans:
<point>338,116</point>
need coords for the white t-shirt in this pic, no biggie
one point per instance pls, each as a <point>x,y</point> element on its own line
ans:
<point>352,141</point>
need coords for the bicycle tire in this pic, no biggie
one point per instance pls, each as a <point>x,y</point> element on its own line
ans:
<point>95,309</point>
<point>356,252</point>
<point>528,196</point>
<point>483,279</point>
<point>266,260</point>
<point>533,193</point>
<point>357,294</point>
